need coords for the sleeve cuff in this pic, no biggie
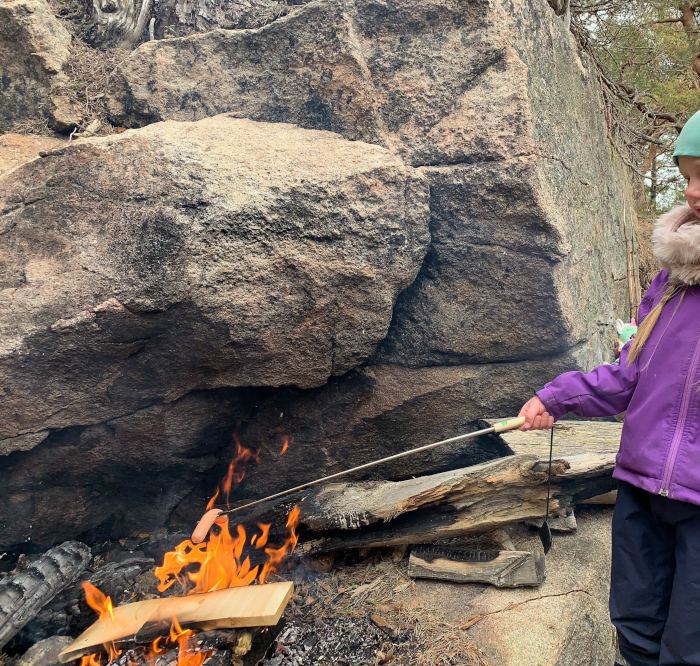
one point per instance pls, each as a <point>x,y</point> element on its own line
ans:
<point>550,402</point>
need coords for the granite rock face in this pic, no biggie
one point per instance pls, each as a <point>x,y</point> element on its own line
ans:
<point>458,241</point>
<point>18,149</point>
<point>140,267</point>
<point>163,462</point>
<point>34,45</point>
<point>494,101</point>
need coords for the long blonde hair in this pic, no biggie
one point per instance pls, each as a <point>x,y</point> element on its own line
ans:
<point>647,326</point>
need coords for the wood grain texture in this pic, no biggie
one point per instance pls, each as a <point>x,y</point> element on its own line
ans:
<point>570,438</point>
<point>474,499</point>
<point>512,568</point>
<point>24,594</point>
<point>251,606</point>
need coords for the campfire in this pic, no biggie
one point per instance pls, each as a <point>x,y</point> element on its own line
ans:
<point>229,559</point>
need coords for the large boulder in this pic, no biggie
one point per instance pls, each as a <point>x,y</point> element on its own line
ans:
<point>528,249</point>
<point>166,283</point>
<point>139,267</point>
<point>34,45</point>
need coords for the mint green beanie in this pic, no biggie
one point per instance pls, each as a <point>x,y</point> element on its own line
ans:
<point>688,143</point>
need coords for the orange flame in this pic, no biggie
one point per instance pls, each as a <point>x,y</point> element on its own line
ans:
<point>262,541</point>
<point>101,604</point>
<point>90,660</point>
<point>221,560</point>
<point>286,441</point>
<point>238,466</point>
<point>212,501</point>
<point>98,601</point>
<point>236,471</point>
<point>187,654</point>
<point>277,555</point>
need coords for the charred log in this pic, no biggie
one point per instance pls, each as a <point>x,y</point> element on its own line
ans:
<point>25,593</point>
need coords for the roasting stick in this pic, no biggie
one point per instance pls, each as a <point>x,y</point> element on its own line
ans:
<point>209,518</point>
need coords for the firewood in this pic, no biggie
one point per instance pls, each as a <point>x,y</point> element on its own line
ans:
<point>251,606</point>
<point>505,568</point>
<point>470,500</point>
<point>570,438</point>
<point>24,594</point>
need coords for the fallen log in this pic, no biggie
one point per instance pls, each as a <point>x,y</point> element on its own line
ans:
<point>470,500</point>
<point>474,499</point>
<point>24,594</point>
<point>570,438</point>
<point>251,606</point>
<point>505,568</point>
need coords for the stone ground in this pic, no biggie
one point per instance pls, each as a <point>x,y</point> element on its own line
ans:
<point>370,612</point>
<point>362,609</point>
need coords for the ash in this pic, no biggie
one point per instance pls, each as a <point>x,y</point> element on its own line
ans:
<point>344,641</point>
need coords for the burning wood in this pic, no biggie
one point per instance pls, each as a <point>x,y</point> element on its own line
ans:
<point>216,578</point>
<point>251,606</point>
<point>24,594</point>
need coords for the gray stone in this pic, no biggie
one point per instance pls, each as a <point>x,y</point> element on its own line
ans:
<point>495,101</point>
<point>22,442</point>
<point>33,48</point>
<point>389,73</point>
<point>45,652</point>
<point>64,114</point>
<point>225,253</point>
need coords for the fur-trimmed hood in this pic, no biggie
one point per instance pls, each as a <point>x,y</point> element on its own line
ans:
<point>676,244</point>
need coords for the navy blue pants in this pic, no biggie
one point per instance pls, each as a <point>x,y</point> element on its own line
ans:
<point>655,587</point>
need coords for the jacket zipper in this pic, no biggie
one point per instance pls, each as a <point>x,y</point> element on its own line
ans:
<point>680,426</point>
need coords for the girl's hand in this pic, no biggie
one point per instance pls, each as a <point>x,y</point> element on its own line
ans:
<point>536,416</point>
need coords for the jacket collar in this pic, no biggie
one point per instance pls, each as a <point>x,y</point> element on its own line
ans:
<point>676,244</point>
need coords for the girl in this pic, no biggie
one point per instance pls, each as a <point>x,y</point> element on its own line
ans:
<point>655,584</point>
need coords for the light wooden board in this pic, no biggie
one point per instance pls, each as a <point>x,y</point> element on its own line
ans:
<point>251,606</point>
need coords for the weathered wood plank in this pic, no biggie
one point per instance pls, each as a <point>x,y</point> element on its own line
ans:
<point>476,499</point>
<point>570,438</point>
<point>509,568</point>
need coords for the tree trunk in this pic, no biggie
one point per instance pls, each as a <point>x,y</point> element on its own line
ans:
<point>118,23</point>
<point>691,30</point>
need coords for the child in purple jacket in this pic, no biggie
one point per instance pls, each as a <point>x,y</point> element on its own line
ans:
<point>655,585</point>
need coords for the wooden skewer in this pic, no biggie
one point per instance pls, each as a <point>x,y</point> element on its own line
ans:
<point>209,518</point>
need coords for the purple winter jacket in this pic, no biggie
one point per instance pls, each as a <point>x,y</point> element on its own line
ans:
<point>660,446</point>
